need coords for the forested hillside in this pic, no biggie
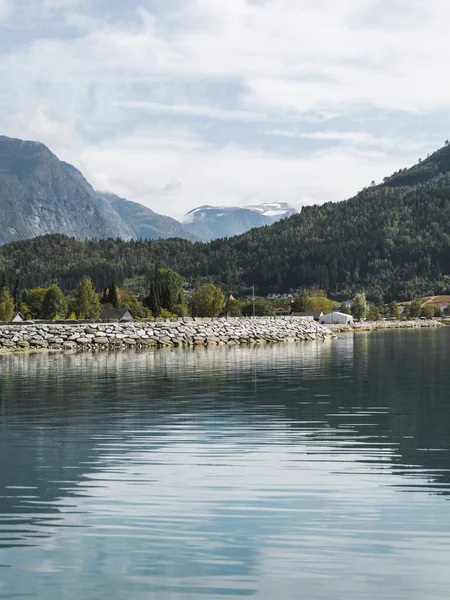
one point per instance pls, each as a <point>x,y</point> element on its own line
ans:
<point>391,240</point>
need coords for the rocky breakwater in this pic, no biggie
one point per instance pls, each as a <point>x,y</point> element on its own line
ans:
<point>158,333</point>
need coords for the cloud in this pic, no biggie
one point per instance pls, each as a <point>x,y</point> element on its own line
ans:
<point>222,96</point>
<point>144,168</point>
<point>208,112</point>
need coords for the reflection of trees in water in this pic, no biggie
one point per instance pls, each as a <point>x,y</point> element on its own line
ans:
<point>55,409</point>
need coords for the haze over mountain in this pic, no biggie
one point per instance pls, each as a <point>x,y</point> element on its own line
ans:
<point>211,222</point>
<point>391,240</point>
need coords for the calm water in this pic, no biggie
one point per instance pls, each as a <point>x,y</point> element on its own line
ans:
<point>299,471</point>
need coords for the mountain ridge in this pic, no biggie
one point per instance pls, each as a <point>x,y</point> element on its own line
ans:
<point>391,240</point>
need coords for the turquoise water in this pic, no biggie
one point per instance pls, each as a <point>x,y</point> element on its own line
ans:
<point>318,470</point>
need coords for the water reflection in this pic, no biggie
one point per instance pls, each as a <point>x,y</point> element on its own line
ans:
<point>229,471</point>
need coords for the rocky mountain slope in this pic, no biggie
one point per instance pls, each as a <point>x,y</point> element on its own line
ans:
<point>39,194</point>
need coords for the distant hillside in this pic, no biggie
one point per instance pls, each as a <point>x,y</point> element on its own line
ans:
<point>212,222</point>
<point>391,240</point>
<point>147,224</point>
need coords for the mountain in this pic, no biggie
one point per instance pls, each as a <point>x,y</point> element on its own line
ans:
<point>147,224</point>
<point>39,194</point>
<point>212,222</point>
<point>390,240</point>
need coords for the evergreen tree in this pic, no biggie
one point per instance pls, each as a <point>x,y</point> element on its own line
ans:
<point>166,292</point>
<point>6,302</point>
<point>86,302</point>
<point>152,301</point>
<point>17,296</point>
<point>54,305</point>
<point>104,299</point>
<point>113,296</point>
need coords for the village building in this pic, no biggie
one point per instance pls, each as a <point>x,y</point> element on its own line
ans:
<point>283,309</point>
<point>18,318</point>
<point>336,318</point>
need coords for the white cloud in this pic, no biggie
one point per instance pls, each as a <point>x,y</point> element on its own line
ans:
<point>193,110</point>
<point>142,167</point>
<point>102,98</point>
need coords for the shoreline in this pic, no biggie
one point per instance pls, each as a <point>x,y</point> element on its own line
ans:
<point>32,338</point>
<point>368,326</point>
<point>184,332</point>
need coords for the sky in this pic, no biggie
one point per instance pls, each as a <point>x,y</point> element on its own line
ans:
<point>180,103</point>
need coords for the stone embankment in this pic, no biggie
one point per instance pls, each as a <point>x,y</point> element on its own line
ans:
<point>375,325</point>
<point>158,333</point>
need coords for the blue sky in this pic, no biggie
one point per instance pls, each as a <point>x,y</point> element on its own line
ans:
<point>181,103</point>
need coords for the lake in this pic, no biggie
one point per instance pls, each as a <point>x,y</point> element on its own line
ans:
<point>312,470</point>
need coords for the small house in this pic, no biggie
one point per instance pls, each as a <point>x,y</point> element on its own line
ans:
<point>122,315</point>
<point>283,309</point>
<point>336,318</point>
<point>18,318</point>
<point>313,315</point>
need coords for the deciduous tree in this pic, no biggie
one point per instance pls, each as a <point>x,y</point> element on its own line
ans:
<point>86,302</point>
<point>208,301</point>
<point>54,305</point>
<point>6,302</point>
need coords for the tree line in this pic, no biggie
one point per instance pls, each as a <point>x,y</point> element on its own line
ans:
<point>167,297</point>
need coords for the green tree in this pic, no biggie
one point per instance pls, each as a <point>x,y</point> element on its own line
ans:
<point>415,308</point>
<point>113,296</point>
<point>166,291</point>
<point>54,305</point>
<point>208,301</point>
<point>394,310</point>
<point>344,308</point>
<point>128,299</point>
<point>300,303</point>
<point>32,306</point>
<point>6,302</point>
<point>17,297</point>
<point>359,306</point>
<point>152,301</point>
<point>181,310</point>
<point>437,312</point>
<point>373,314</point>
<point>427,311</point>
<point>86,302</point>
<point>263,308</point>
<point>233,308</point>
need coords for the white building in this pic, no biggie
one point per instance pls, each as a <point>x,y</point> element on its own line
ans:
<point>336,318</point>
